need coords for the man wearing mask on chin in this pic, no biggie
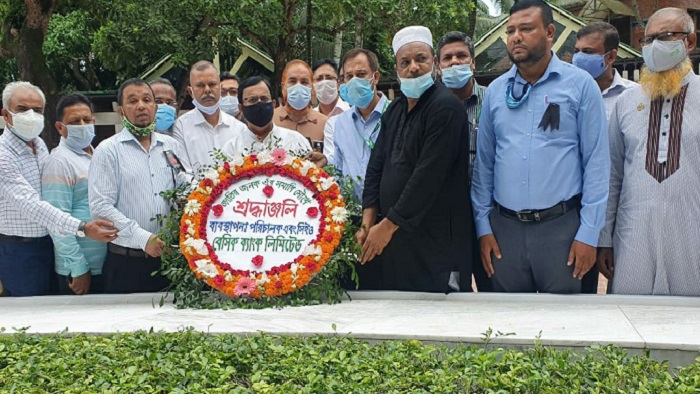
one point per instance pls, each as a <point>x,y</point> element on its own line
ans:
<point>127,174</point>
<point>296,113</point>
<point>229,94</point>
<point>26,250</point>
<point>417,178</point>
<point>166,99</point>
<point>262,134</point>
<point>651,230</point>
<point>206,126</point>
<point>64,184</point>
<point>595,52</point>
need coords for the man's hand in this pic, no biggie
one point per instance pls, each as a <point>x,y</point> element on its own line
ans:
<point>154,246</point>
<point>318,158</point>
<point>361,235</point>
<point>81,284</point>
<point>487,246</point>
<point>606,262</point>
<point>583,256</point>
<point>101,230</point>
<point>378,238</point>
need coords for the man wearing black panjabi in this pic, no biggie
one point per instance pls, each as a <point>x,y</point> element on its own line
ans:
<point>417,178</point>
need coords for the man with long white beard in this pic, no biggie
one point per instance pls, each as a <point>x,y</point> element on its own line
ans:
<point>651,233</point>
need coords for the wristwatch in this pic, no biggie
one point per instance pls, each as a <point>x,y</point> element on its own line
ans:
<point>81,230</point>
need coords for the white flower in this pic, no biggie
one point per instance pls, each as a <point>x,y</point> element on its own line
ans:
<point>206,268</point>
<point>294,267</point>
<point>327,183</point>
<point>263,280</point>
<point>213,175</point>
<point>198,245</point>
<point>192,207</point>
<point>236,161</point>
<point>264,157</point>
<point>337,229</point>
<point>306,166</point>
<point>339,214</point>
<point>312,250</point>
<point>228,276</point>
<point>328,203</point>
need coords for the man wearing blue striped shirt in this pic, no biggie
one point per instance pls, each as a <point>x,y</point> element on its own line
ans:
<point>64,184</point>
<point>127,174</point>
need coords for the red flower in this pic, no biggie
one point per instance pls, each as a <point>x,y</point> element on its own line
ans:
<point>279,284</point>
<point>328,237</point>
<point>254,158</point>
<point>227,166</point>
<point>219,280</point>
<point>311,266</point>
<point>207,182</point>
<point>312,212</point>
<point>184,228</point>
<point>268,191</point>
<point>270,171</point>
<point>333,194</point>
<point>258,261</point>
<point>218,210</point>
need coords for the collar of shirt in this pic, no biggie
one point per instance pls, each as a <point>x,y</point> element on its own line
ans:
<point>199,118</point>
<point>125,136</point>
<point>378,109</point>
<point>62,146</point>
<point>339,108</point>
<point>304,119</point>
<point>555,66</point>
<point>17,144</point>
<point>618,83</point>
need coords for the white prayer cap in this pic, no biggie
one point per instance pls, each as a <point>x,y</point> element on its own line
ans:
<point>412,34</point>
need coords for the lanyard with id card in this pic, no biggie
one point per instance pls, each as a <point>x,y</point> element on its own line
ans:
<point>368,141</point>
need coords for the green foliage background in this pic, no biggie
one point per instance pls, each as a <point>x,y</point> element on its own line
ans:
<point>191,362</point>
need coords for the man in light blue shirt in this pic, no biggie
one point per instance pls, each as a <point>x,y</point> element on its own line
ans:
<point>357,128</point>
<point>540,184</point>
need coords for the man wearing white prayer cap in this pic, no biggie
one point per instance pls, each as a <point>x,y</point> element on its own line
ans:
<point>417,179</point>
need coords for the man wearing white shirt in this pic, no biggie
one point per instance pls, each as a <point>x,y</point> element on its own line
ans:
<point>127,174</point>
<point>262,134</point>
<point>26,250</point>
<point>206,126</point>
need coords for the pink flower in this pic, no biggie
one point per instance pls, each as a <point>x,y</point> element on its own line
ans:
<point>218,210</point>
<point>312,212</point>
<point>244,286</point>
<point>268,191</point>
<point>279,156</point>
<point>258,261</point>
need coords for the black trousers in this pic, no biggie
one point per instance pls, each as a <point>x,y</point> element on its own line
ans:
<point>125,274</point>
<point>534,254</point>
<point>96,285</point>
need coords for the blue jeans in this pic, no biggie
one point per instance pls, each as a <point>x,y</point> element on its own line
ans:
<point>26,267</point>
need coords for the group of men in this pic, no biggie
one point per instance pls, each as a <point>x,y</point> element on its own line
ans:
<point>553,173</point>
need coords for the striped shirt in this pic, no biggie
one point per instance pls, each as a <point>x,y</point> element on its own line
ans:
<point>21,209</point>
<point>64,184</point>
<point>611,94</point>
<point>125,184</point>
<point>473,107</point>
<point>198,137</point>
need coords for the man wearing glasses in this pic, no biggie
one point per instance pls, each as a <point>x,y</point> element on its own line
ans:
<point>651,232</point>
<point>262,134</point>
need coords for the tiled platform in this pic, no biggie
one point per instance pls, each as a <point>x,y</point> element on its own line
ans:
<point>668,326</point>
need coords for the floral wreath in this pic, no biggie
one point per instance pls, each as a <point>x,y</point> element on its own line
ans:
<point>281,279</point>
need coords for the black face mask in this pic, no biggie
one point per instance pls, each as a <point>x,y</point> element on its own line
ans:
<point>259,114</point>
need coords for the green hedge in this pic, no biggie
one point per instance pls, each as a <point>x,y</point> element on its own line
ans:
<point>190,362</point>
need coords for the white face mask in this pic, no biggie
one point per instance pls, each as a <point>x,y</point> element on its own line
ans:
<point>26,125</point>
<point>326,91</point>
<point>663,55</point>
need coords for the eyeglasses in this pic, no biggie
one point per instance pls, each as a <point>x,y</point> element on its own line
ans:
<point>229,92</point>
<point>171,103</point>
<point>664,36</point>
<point>254,100</point>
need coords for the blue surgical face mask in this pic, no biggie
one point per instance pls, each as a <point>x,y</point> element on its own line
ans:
<point>591,63</point>
<point>456,77</point>
<point>299,96</point>
<point>79,136</point>
<point>415,87</point>
<point>358,92</point>
<point>165,117</point>
<point>229,104</point>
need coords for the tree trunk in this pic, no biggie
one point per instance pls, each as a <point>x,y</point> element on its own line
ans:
<point>472,20</point>
<point>309,13</point>
<point>31,65</point>
<point>359,24</point>
<point>338,48</point>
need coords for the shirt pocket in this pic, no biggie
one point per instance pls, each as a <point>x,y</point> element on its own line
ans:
<point>568,126</point>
